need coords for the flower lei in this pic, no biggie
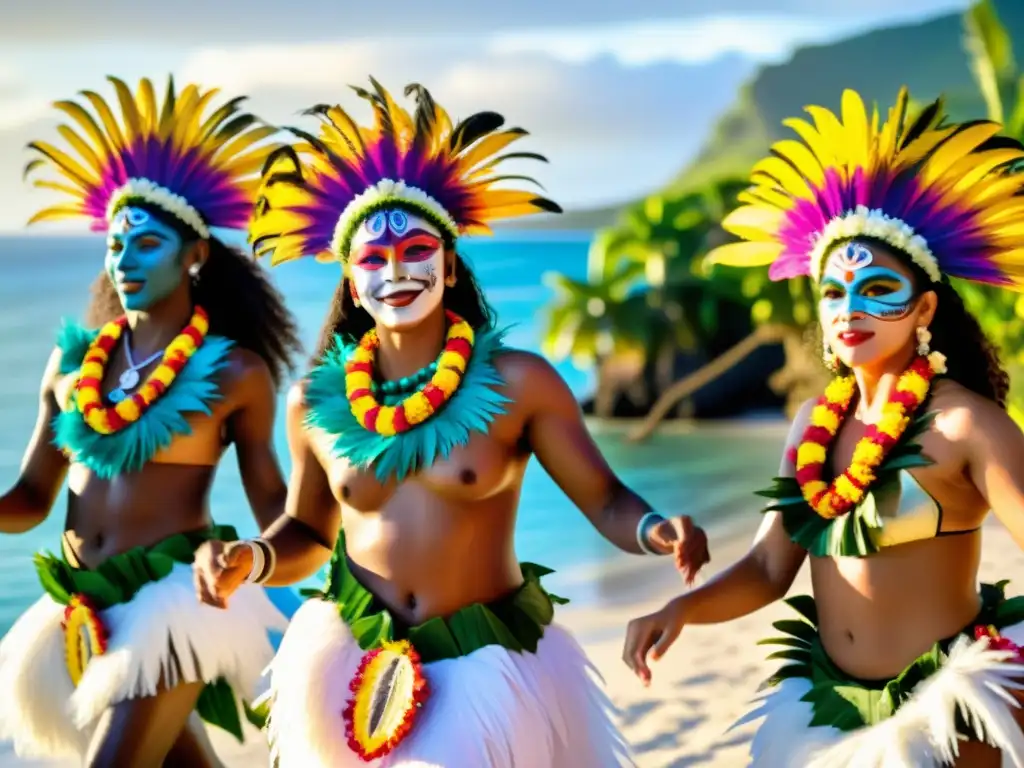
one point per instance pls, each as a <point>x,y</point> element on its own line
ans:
<point>88,393</point>
<point>847,490</point>
<point>390,420</point>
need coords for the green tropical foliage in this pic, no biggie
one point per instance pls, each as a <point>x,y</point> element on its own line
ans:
<point>989,49</point>
<point>648,290</point>
<point>644,288</point>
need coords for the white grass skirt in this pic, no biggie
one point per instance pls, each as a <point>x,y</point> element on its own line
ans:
<point>491,709</point>
<point>975,680</point>
<point>163,635</point>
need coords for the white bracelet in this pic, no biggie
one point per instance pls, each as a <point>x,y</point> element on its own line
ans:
<point>651,518</point>
<point>264,560</point>
<point>258,561</point>
<point>271,561</point>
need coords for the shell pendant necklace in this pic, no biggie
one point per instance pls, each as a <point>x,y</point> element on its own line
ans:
<point>129,378</point>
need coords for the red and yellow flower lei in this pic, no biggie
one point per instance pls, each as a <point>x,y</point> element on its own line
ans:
<point>88,391</point>
<point>409,690</point>
<point>391,420</point>
<point>848,489</point>
<point>85,635</point>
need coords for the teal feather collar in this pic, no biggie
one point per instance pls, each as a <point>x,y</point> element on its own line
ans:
<point>474,405</point>
<point>193,391</point>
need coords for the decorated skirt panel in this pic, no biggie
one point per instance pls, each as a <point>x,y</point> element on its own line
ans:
<point>87,592</point>
<point>391,684</point>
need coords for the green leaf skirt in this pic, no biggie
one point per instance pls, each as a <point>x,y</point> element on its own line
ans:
<point>117,580</point>
<point>515,622</point>
<point>846,703</point>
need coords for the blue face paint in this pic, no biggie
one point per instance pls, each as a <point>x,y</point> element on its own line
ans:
<point>851,286</point>
<point>143,258</point>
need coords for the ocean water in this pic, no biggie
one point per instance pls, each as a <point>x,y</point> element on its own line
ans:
<point>708,472</point>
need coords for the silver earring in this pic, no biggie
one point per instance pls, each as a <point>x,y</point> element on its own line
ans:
<point>924,336</point>
<point>193,271</point>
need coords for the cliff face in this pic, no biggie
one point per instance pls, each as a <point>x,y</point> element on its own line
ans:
<point>927,57</point>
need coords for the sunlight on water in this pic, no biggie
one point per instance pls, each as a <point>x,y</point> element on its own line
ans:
<point>708,472</point>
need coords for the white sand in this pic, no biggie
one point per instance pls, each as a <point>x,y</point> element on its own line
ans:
<point>704,683</point>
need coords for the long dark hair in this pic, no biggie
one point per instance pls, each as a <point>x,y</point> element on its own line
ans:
<point>234,290</point>
<point>972,360</point>
<point>345,319</point>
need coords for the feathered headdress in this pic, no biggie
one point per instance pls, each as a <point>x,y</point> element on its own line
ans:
<point>313,205</point>
<point>938,192</point>
<point>203,171</point>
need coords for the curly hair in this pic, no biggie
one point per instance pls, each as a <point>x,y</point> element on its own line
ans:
<point>350,322</point>
<point>972,360</point>
<point>235,291</point>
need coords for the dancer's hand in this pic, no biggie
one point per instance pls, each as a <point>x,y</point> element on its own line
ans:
<point>685,541</point>
<point>219,569</point>
<point>652,634</point>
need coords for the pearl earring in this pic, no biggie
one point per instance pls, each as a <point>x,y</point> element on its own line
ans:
<point>193,271</point>
<point>924,336</point>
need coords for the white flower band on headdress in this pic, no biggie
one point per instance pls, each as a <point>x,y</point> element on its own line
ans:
<point>862,222</point>
<point>384,191</point>
<point>163,198</point>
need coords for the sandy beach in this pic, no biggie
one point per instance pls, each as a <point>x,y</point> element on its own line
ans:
<point>706,680</point>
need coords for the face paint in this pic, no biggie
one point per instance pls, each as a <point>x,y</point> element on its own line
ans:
<point>143,258</point>
<point>851,286</point>
<point>396,261</point>
<point>867,306</point>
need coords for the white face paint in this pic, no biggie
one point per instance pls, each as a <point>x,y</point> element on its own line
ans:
<point>397,268</point>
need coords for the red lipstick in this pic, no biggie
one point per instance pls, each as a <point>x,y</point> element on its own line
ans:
<point>854,338</point>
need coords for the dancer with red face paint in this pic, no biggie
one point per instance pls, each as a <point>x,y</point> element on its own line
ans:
<point>430,643</point>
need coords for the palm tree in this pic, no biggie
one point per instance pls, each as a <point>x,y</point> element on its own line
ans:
<point>782,312</point>
<point>602,321</point>
<point>645,297</point>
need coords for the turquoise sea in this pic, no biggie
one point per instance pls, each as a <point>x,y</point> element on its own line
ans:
<point>708,471</point>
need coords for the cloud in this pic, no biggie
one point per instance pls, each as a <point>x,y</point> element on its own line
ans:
<point>18,103</point>
<point>610,131</point>
<point>618,95</point>
<point>195,22</point>
<point>761,36</point>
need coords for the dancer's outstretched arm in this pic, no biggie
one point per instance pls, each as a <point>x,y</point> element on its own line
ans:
<point>301,539</point>
<point>43,468</point>
<point>555,431</point>
<point>759,578</point>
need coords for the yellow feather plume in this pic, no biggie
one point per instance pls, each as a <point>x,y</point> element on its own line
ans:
<point>156,152</point>
<point>939,192</point>
<point>419,160</point>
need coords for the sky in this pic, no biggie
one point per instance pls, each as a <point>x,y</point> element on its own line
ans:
<point>618,95</point>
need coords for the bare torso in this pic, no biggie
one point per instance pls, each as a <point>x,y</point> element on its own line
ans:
<point>168,496</point>
<point>443,538</point>
<point>878,613</point>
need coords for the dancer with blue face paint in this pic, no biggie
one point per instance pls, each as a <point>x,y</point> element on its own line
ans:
<point>183,349</point>
<point>143,258</point>
<point>899,658</point>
